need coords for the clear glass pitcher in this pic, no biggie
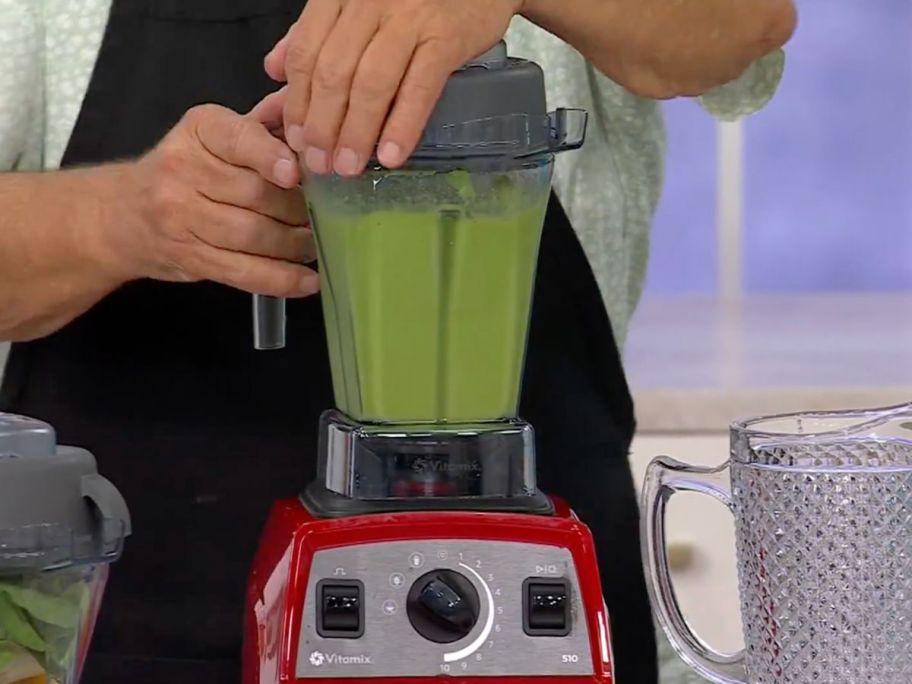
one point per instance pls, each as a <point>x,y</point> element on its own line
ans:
<point>823,515</point>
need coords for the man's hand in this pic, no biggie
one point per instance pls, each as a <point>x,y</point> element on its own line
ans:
<point>218,201</point>
<point>215,200</point>
<point>363,72</point>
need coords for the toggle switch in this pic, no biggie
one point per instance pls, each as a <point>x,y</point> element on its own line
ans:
<point>340,609</point>
<point>546,607</point>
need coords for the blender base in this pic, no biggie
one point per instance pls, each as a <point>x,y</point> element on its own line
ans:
<point>348,598</point>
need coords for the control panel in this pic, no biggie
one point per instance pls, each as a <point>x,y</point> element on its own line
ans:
<point>443,607</point>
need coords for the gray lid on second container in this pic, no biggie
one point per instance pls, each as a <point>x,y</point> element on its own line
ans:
<point>55,509</point>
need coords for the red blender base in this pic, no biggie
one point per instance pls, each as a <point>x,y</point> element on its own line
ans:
<point>427,595</point>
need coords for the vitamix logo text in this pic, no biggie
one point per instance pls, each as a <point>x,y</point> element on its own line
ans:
<point>318,659</point>
<point>436,465</point>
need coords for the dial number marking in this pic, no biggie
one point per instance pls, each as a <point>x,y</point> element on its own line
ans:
<point>453,656</point>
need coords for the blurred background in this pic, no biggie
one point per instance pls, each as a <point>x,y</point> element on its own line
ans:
<point>781,270</point>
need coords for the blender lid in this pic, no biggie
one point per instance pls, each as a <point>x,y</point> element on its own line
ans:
<point>496,105</point>
<point>55,509</point>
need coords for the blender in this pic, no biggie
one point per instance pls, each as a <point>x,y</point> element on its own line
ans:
<point>424,548</point>
<point>61,525</point>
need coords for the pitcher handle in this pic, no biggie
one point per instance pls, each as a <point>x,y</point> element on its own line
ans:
<point>664,478</point>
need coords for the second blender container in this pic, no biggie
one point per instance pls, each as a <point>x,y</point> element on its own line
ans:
<point>61,525</point>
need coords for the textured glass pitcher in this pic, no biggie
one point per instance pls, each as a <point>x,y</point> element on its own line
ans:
<point>823,524</point>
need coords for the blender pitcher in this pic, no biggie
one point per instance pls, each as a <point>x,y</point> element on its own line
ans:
<point>428,271</point>
<point>823,521</point>
<point>61,525</point>
<point>408,256</point>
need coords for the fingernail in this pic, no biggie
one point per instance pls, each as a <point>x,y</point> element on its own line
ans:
<point>309,284</point>
<point>317,160</point>
<point>390,154</point>
<point>310,254</point>
<point>348,163</point>
<point>294,136</point>
<point>285,172</point>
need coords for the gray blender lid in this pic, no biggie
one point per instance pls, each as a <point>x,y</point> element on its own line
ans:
<point>55,509</point>
<point>496,105</point>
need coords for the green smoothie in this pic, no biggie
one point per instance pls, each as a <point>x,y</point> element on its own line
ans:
<point>426,306</point>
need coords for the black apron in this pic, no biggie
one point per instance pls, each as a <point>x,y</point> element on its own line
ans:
<point>202,433</point>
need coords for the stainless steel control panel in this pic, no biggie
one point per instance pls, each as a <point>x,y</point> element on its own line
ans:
<point>443,607</point>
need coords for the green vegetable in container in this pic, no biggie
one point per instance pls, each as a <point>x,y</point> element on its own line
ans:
<point>462,182</point>
<point>54,610</point>
<point>18,627</point>
<point>7,654</point>
<point>41,619</point>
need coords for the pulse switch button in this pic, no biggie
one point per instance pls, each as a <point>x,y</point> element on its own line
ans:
<point>340,609</point>
<point>546,607</point>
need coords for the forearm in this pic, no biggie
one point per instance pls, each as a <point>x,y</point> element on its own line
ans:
<point>56,236</point>
<point>666,48</point>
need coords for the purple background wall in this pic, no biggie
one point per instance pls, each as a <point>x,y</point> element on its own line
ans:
<point>684,251</point>
<point>828,166</point>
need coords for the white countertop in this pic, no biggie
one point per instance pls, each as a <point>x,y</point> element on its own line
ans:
<point>695,363</point>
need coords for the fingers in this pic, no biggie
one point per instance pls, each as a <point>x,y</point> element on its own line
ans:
<point>373,90</point>
<point>244,188</point>
<point>250,252</point>
<point>304,45</point>
<point>241,230</point>
<point>274,63</point>
<point>242,141</point>
<point>331,86</point>
<point>421,88</point>
<point>219,181</point>
<point>255,274</point>
<point>269,112</point>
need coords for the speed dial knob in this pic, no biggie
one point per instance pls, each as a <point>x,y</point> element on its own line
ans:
<point>443,606</point>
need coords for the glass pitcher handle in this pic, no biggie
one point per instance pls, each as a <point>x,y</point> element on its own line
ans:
<point>268,322</point>
<point>664,478</point>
